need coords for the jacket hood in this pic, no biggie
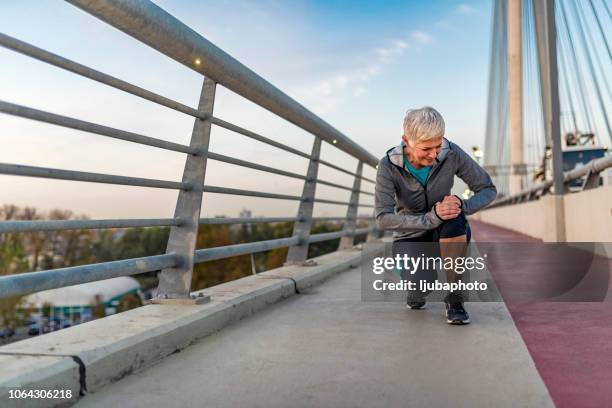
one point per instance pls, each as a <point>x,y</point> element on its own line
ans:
<point>396,154</point>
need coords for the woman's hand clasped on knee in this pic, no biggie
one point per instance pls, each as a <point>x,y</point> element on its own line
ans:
<point>448,208</point>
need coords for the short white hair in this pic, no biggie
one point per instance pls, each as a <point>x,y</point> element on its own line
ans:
<point>423,124</point>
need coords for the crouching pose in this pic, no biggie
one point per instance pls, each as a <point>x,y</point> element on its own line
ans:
<point>413,199</point>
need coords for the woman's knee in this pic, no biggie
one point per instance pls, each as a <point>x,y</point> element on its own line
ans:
<point>455,227</point>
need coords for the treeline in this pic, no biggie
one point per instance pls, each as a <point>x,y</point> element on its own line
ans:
<point>31,251</point>
<point>214,272</point>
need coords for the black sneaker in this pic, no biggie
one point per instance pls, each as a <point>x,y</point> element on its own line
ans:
<point>415,304</point>
<point>456,314</point>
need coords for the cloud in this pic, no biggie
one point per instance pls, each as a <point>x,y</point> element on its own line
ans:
<point>442,24</point>
<point>421,37</point>
<point>466,9</point>
<point>360,90</point>
<point>389,54</point>
<point>328,93</point>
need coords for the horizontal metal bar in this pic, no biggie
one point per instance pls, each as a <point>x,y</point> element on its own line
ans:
<point>45,172</point>
<point>360,217</point>
<point>227,159</point>
<point>368,179</point>
<point>211,254</point>
<point>61,225</point>
<point>323,200</point>
<point>361,231</point>
<point>328,236</point>
<point>224,220</point>
<point>595,166</point>
<point>243,163</point>
<point>532,190</point>
<point>30,282</point>
<point>65,121</point>
<point>64,63</point>
<point>253,135</point>
<point>328,183</point>
<point>333,166</point>
<point>155,27</point>
<point>251,220</point>
<point>366,193</point>
<point>249,193</point>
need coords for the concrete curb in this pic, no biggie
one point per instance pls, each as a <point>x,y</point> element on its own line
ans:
<point>109,349</point>
<point>35,372</point>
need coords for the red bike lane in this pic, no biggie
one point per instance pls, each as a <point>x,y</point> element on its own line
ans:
<point>570,342</point>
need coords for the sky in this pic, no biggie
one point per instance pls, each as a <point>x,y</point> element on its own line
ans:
<point>359,65</point>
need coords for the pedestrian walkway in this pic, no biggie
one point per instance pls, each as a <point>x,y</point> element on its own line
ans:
<point>327,348</point>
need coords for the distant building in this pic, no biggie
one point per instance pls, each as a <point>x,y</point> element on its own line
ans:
<point>245,213</point>
<point>78,300</point>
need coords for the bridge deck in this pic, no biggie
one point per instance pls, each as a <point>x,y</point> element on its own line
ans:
<point>325,347</point>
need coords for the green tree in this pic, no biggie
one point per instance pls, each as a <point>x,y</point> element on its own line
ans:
<point>98,309</point>
<point>211,273</point>
<point>325,247</point>
<point>127,302</point>
<point>45,310</point>
<point>132,243</point>
<point>13,260</point>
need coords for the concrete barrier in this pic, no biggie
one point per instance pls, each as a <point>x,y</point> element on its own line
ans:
<point>39,373</point>
<point>586,216</point>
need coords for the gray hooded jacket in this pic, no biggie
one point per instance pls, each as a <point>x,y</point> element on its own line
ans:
<point>403,205</point>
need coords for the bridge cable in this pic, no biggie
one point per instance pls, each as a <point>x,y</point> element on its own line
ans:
<point>601,31</point>
<point>591,68</point>
<point>576,69</point>
<point>607,9</point>
<point>604,78</point>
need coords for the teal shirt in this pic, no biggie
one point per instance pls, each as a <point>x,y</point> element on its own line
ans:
<point>420,174</point>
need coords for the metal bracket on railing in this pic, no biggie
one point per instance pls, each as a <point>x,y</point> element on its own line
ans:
<point>532,195</point>
<point>200,299</point>
<point>591,180</point>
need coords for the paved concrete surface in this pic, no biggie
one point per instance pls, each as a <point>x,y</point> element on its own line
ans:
<point>121,344</point>
<point>327,348</point>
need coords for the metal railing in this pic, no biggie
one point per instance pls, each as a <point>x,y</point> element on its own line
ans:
<point>153,26</point>
<point>590,171</point>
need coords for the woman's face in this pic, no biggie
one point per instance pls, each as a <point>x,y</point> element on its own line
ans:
<point>423,153</point>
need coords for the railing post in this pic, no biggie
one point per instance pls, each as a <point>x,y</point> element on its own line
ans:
<point>375,233</point>
<point>298,253</point>
<point>175,283</point>
<point>348,241</point>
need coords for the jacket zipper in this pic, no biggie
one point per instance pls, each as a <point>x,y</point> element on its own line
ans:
<point>427,183</point>
<point>424,187</point>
